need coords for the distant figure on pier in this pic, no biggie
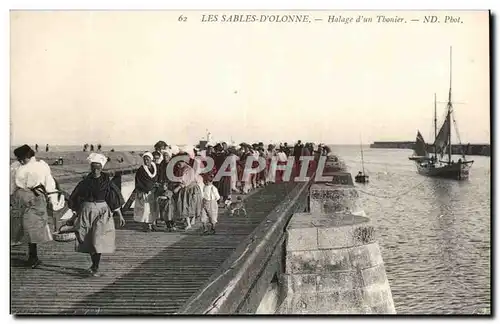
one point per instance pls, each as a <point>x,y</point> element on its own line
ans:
<point>93,200</point>
<point>306,150</point>
<point>36,147</point>
<point>224,183</point>
<point>91,147</point>
<point>99,146</point>
<point>286,149</point>
<point>33,187</point>
<point>297,153</point>
<point>47,148</point>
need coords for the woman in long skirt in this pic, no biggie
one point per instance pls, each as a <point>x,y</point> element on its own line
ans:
<point>146,206</point>
<point>33,186</point>
<point>189,198</point>
<point>224,183</point>
<point>94,200</point>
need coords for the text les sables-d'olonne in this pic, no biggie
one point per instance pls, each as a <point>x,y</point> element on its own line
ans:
<point>248,18</point>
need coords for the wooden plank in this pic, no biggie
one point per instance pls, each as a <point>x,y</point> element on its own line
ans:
<point>228,287</point>
<point>150,273</point>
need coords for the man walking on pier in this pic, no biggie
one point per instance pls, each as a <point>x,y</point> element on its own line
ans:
<point>297,153</point>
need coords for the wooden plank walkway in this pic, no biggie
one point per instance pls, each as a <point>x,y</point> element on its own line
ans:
<point>150,273</point>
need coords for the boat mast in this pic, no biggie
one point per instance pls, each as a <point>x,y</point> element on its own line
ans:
<point>435,127</point>
<point>362,160</point>
<point>449,115</point>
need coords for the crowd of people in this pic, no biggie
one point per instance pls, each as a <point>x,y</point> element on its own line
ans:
<point>197,194</point>
<point>87,147</point>
<point>183,195</point>
<point>46,147</point>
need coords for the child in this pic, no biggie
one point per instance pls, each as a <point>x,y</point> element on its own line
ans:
<point>210,208</point>
<point>166,205</point>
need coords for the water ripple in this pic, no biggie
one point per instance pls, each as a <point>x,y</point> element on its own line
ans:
<point>435,239</point>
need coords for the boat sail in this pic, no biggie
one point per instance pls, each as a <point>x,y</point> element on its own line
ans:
<point>432,166</point>
<point>361,177</point>
<point>420,150</point>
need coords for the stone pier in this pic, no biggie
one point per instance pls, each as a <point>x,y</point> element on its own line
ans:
<point>337,195</point>
<point>333,264</point>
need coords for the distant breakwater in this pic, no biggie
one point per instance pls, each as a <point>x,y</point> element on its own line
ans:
<point>469,149</point>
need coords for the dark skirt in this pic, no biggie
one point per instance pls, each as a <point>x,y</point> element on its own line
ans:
<point>224,186</point>
<point>95,229</point>
<point>189,202</point>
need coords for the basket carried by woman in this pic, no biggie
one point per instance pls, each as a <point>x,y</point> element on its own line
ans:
<point>65,233</point>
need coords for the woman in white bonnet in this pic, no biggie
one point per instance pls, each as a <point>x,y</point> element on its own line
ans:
<point>94,200</point>
<point>146,182</point>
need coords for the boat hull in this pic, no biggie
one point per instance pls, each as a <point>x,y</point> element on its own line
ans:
<point>456,171</point>
<point>361,178</point>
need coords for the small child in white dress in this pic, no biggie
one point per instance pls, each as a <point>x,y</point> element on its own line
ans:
<point>210,207</point>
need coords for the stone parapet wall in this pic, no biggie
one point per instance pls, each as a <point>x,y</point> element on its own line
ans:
<point>334,266</point>
<point>331,198</point>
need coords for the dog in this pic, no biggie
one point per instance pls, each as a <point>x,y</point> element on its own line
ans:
<point>238,206</point>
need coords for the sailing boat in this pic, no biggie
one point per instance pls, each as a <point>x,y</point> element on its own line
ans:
<point>361,177</point>
<point>433,166</point>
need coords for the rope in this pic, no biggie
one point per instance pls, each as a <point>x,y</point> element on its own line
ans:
<point>394,196</point>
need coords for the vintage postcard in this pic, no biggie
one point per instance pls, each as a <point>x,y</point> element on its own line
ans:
<point>250,162</point>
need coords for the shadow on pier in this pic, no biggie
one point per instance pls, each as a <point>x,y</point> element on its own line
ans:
<point>150,273</point>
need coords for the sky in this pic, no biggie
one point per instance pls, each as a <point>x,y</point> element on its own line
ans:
<point>135,77</point>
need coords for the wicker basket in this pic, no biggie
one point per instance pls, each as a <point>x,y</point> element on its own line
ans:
<point>64,234</point>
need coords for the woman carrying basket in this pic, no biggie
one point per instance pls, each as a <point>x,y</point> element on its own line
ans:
<point>32,187</point>
<point>95,199</point>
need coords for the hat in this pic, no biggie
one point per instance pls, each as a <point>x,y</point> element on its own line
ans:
<point>97,158</point>
<point>148,154</point>
<point>160,144</point>
<point>174,149</point>
<point>24,152</point>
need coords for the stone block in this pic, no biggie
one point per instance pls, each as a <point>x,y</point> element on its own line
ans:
<point>302,304</point>
<point>345,236</point>
<point>365,256</point>
<point>302,239</point>
<point>374,276</point>
<point>311,262</point>
<point>326,199</point>
<point>342,302</point>
<point>338,281</point>
<point>341,273</point>
<point>334,260</point>
<point>383,309</point>
<point>301,284</point>
<point>377,294</point>
<point>303,262</point>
